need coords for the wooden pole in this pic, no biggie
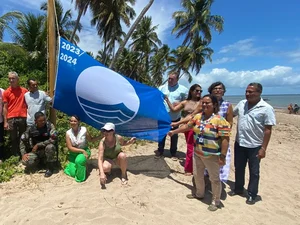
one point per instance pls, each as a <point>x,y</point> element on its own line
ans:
<point>51,54</point>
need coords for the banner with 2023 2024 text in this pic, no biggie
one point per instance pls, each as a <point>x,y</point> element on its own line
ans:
<point>98,95</point>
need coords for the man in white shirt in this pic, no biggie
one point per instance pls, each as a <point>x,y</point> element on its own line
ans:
<point>36,101</point>
<point>254,128</point>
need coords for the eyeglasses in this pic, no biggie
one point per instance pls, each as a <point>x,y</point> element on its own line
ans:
<point>198,91</point>
<point>221,89</point>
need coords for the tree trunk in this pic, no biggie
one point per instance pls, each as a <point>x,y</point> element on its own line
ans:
<point>128,35</point>
<point>76,25</point>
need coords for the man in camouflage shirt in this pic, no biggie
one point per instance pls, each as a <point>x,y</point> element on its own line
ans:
<point>38,143</point>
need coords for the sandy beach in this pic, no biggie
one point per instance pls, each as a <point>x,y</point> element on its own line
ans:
<point>156,193</point>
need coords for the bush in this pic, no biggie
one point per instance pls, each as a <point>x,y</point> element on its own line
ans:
<point>9,168</point>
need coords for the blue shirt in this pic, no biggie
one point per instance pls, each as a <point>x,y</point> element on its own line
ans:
<point>176,93</point>
<point>252,122</point>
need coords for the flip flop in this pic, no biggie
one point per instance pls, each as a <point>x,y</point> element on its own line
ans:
<point>124,181</point>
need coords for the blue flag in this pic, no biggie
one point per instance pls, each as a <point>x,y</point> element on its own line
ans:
<point>99,95</point>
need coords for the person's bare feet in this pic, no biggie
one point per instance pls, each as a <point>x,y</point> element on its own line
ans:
<point>188,174</point>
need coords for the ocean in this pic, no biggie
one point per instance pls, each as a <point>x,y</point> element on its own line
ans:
<point>277,101</point>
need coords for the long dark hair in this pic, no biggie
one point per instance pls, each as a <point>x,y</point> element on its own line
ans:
<point>192,88</point>
<point>76,117</point>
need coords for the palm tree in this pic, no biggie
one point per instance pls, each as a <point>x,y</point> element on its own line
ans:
<point>128,35</point>
<point>145,41</point>
<point>196,20</point>
<point>65,23</point>
<point>144,37</point>
<point>6,19</point>
<point>107,17</point>
<point>159,65</point>
<point>190,59</point>
<point>103,57</point>
<point>81,6</point>
<point>31,36</point>
<point>127,64</point>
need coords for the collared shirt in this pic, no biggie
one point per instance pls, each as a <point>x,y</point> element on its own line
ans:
<point>36,102</point>
<point>252,122</point>
<point>176,93</point>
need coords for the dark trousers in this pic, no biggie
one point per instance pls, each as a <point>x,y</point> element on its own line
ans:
<point>174,141</point>
<point>17,127</point>
<point>243,155</point>
<point>1,140</point>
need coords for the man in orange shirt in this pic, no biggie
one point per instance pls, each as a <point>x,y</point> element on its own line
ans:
<point>14,111</point>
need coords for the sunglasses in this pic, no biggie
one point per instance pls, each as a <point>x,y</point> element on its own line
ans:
<point>198,91</point>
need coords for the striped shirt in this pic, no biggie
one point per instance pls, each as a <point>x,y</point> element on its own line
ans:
<point>208,133</point>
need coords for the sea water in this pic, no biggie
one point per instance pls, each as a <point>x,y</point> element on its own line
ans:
<point>277,101</point>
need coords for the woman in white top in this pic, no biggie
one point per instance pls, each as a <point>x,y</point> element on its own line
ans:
<point>76,139</point>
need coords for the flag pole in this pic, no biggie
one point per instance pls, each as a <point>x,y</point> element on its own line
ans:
<point>51,54</point>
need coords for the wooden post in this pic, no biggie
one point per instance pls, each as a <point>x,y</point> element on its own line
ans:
<point>51,54</point>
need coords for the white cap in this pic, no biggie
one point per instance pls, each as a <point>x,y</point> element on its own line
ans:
<point>108,126</point>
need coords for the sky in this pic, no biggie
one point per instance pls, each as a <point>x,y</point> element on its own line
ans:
<point>260,41</point>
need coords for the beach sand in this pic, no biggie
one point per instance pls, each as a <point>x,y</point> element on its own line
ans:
<point>156,192</point>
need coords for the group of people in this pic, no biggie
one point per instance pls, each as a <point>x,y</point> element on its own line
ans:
<point>22,114</point>
<point>293,109</point>
<point>206,122</point>
<point>34,139</point>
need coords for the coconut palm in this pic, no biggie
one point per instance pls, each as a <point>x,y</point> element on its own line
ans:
<point>6,19</point>
<point>128,35</point>
<point>81,6</point>
<point>144,38</point>
<point>108,16</point>
<point>190,59</point>
<point>196,20</point>
<point>159,65</point>
<point>31,36</point>
<point>145,41</point>
<point>65,23</point>
<point>127,64</point>
<point>103,57</point>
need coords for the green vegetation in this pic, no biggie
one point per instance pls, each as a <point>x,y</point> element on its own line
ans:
<point>145,60</point>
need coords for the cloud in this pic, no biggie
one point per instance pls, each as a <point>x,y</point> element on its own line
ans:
<point>277,76</point>
<point>243,47</point>
<point>223,60</point>
<point>294,56</point>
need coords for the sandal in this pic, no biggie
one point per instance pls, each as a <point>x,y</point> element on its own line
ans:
<point>124,181</point>
<point>192,196</point>
<point>213,207</point>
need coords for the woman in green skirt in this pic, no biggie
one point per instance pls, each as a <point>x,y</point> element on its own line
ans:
<point>77,142</point>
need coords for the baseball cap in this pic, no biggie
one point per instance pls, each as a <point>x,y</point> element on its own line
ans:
<point>108,126</point>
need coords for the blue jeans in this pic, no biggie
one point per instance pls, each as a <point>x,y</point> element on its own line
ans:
<point>174,141</point>
<point>243,155</point>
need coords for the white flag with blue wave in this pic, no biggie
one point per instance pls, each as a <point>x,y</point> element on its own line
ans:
<point>99,95</point>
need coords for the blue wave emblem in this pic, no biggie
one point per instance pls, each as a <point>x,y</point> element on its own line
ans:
<point>117,114</point>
